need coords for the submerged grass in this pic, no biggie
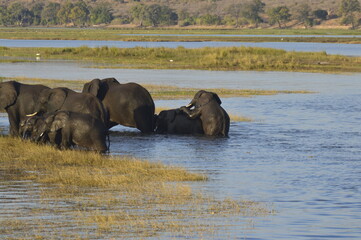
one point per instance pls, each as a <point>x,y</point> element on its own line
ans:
<point>224,58</point>
<point>82,195</point>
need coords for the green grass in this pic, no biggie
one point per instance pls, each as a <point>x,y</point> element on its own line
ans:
<point>115,34</point>
<point>82,195</point>
<point>225,58</point>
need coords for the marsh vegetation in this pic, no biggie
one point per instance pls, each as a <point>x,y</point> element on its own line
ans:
<point>85,195</point>
<point>225,59</point>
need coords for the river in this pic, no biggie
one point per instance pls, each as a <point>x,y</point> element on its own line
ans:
<point>301,153</point>
<point>329,48</point>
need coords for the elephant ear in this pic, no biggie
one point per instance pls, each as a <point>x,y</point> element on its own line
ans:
<point>215,96</point>
<point>92,87</point>
<point>8,94</point>
<point>56,99</point>
<point>59,121</point>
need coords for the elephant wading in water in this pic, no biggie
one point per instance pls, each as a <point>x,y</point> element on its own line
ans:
<point>175,121</point>
<point>52,100</point>
<point>127,104</point>
<point>207,106</point>
<point>65,129</point>
<point>18,100</point>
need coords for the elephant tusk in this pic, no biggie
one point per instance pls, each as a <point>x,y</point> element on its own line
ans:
<point>41,134</point>
<point>189,105</point>
<point>32,114</point>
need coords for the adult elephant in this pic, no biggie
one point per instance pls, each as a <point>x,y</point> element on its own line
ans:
<point>127,104</point>
<point>55,99</point>
<point>175,121</point>
<point>18,100</point>
<point>207,106</point>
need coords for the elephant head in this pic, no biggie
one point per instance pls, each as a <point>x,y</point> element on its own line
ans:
<point>35,128</point>
<point>202,98</point>
<point>8,94</point>
<point>51,100</point>
<point>99,87</point>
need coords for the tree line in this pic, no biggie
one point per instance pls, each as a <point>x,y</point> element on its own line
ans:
<point>254,12</point>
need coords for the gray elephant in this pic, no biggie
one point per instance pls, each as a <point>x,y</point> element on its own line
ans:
<point>55,99</point>
<point>175,121</point>
<point>127,104</point>
<point>65,129</point>
<point>207,106</point>
<point>18,100</point>
<point>29,129</point>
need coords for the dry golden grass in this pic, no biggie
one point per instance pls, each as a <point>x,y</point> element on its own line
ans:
<point>82,195</point>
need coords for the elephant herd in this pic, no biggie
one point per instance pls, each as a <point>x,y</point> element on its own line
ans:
<point>66,118</point>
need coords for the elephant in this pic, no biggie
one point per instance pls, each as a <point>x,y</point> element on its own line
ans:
<point>127,104</point>
<point>175,121</point>
<point>61,98</point>
<point>207,106</point>
<point>65,129</point>
<point>18,100</point>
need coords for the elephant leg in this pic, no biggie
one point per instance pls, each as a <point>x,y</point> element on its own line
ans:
<point>14,124</point>
<point>65,140</point>
<point>144,119</point>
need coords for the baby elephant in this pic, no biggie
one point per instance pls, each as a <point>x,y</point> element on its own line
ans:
<point>65,129</point>
<point>175,121</point>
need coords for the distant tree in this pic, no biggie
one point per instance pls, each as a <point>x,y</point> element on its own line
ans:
<point>154,14</point>
<point>101,14</point>
<point>251,11</point>
<point>185,19</point>
<point>320,14</point>
<point>4,16</point>
<point>37,10</point>
<point>20,15</point>
<point>49,14</point>
<point>138,13</point>
<point>210,19</point>
<point>64,13</point>
<point>279,15</point>
<point>348,9</point>
<point>304,15</point>
<point>79,14</point>
<point>235,10</point>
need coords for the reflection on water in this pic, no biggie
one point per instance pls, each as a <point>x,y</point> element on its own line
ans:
<point>329,48</point>
<point>302,154</point>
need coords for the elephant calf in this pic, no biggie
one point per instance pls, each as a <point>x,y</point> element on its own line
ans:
<point>207,107</point>
<point>175,121</point>
<point>65,129</point>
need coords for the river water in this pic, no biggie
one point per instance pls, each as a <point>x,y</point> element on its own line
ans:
<point>329,48</point>
<point>301,154</point>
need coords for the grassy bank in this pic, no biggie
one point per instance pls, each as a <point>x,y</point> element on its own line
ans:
<point>81,195</point>
<point>225,58</point>
<point>183,34</point>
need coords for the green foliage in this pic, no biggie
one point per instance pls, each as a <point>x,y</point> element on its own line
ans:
<point>279,15</point>
<point>303,15</point>
<point>348,9</point>
<point>101,14</point>
<point>49,14</point>
<point>251,11</point>
<point>210,19</point>
<point>154,15</point>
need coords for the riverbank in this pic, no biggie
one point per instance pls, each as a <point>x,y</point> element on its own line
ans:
<point>216,59</point>
<point>184,34</point>
<point>105,197</point>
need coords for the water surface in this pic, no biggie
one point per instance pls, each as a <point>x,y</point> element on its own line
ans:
<point>329,48</point>
<point>302,154</point>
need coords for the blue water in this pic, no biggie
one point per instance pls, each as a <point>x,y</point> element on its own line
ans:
<point>329,48</point>
<point>301,154</point>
